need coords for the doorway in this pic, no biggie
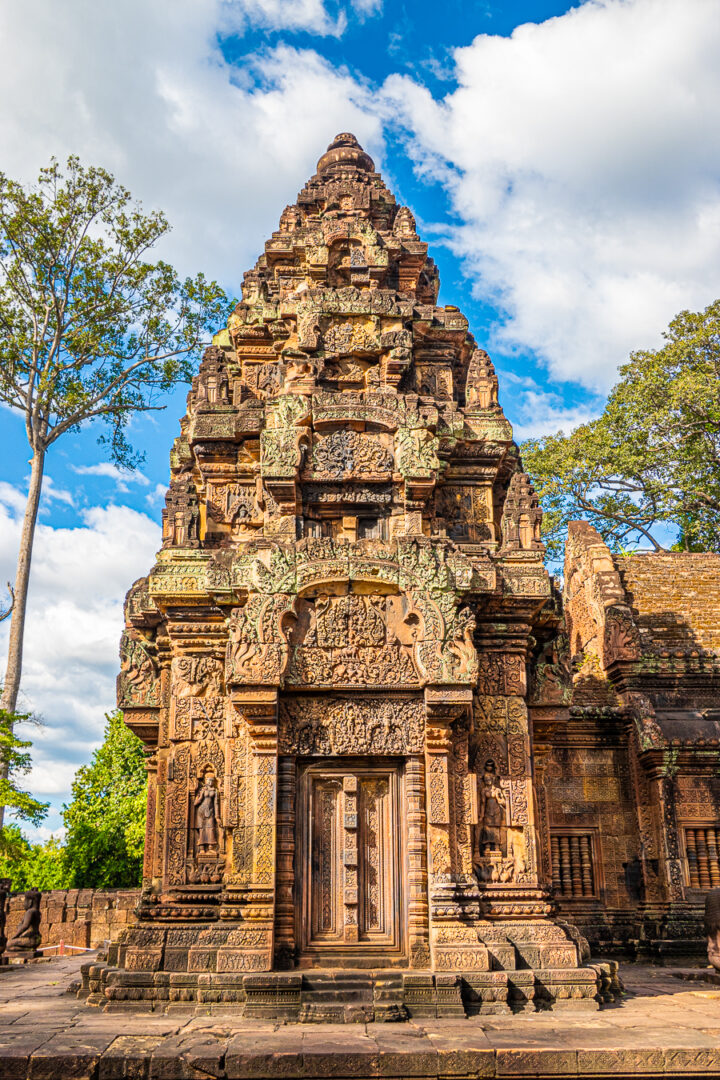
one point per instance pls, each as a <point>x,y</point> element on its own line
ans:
<point>350,870</point>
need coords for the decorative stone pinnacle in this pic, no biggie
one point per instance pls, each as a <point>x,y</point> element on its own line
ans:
<point>345,150</point>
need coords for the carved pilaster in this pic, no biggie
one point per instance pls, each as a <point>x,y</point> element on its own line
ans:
<point>285,880</point>
<point>670,864</point>
<point>151,765</point>
<point>251,890</point>
<point>506,862</point>
<point>541,761</point>
<point>418,934</point>
<point>648,819</point>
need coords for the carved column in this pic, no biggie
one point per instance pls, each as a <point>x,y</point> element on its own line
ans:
<point>438,745</point>
<point>670,865</point>
<point>648,822</point>
<point>541,762</point>
<point>510,872</point>
<point>251,890</point>
<point>156,848</point>
<point>151,764</point>
<point>176,816</point>
<point>418,934</point>
<point>453,894</point>
<point>285,880</point>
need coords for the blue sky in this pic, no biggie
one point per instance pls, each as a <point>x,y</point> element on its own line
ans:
<point>563,162</point>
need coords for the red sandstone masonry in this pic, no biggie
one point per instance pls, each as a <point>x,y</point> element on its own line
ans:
<point>674,598</point>
<point>81,917</point>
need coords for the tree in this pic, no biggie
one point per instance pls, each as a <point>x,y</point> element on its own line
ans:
<point>28,864</point>
<point>89,330</point>
<point>16,762</point>
<point>105,820</point>
<point>649,466</point>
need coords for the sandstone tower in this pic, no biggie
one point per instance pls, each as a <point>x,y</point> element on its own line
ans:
<point>328,660</point>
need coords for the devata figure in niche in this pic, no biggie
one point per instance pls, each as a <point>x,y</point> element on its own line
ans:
<point>492,813</point>
<point>207,816</point>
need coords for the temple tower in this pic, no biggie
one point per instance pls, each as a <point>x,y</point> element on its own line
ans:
<point>327,662</point>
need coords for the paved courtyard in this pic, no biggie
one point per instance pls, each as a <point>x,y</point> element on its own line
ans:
<point>663,1027</point>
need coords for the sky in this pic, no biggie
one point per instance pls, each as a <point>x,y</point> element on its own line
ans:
<point>563,162</point>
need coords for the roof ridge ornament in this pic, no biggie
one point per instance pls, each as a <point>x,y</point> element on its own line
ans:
<point>342,152</point>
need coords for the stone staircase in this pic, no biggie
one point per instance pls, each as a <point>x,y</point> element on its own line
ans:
<point>351,996</point>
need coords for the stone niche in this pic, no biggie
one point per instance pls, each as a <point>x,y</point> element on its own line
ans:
<point>328,660</point>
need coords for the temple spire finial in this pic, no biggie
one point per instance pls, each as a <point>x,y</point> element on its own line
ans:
<point>345,150</point>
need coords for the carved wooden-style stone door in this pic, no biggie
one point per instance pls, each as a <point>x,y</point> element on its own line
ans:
<point>350,866</point>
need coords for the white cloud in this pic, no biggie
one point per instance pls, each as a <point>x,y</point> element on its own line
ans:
<point>582,156</point>
<point>157,496</point>
<point>142,88</point>
<point>122,477</point>
<point>366,8</point>
<point>78,580</point>
<point>41,833</point>
<point>50,493</point>
<point>541,414</point>
<point>12,498</point>
<point>289,15</point>
<point>15,498</point>
<point>535,411</point>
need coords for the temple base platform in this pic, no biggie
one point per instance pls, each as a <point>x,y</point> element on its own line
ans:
<point>504,973</point>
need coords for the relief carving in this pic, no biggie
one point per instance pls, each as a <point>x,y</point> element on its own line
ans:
<point>350,453</point>
<point>207,816</point>
<point>343,640</point>
<point>330,726</point>
<point>622,641</point>
<point>350,337</point>
<point>500,852</point>
<point>139,678</point>
<point>492,813</point>
<point>416,451</point>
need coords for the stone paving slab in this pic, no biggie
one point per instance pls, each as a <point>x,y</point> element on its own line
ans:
<point>666,1026</point>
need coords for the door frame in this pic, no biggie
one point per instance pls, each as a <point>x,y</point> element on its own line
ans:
<point>360,954</point>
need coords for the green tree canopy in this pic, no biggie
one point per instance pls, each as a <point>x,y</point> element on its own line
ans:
<point>15,762</point>
<point>28,864</point>
<point>105,819</point>
<point>650,464</point>
<point>90,329</point>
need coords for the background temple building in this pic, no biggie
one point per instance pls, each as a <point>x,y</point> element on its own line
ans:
<point>377,745</point>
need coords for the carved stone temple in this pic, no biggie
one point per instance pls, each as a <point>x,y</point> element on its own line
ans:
<point>370,751</point>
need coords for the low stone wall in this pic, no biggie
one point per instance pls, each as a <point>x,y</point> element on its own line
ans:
<point>83,917</point>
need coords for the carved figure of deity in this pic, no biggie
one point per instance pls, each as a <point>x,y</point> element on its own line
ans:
<point>27,936</point>
<point>207,816</point>
<point>712,927</point>
<point>492,812</point>
<point>5,885</point>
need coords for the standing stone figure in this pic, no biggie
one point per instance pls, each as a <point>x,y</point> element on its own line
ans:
<point>491,812</point>
<point>712,927</point>
<point>207,817</point>
<point>5,884</point>
<point>27,936</point>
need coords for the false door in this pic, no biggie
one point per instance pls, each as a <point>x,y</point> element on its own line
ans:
<point>350,865</point>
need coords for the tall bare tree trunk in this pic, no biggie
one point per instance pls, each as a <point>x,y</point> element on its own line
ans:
<point>13,670</point>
